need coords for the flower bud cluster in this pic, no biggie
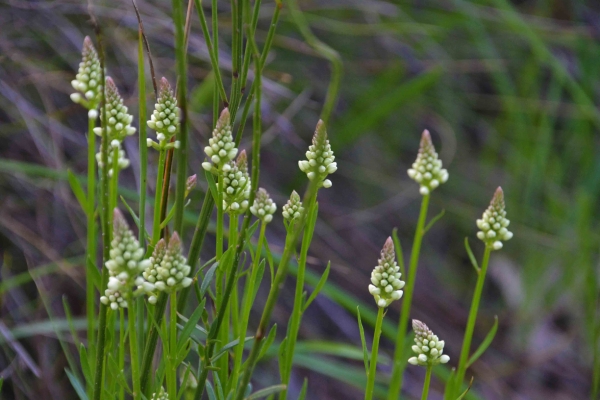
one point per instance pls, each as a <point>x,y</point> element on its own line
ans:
<point>165,118</point>
<point>493,223</point>
<point>293,209</point>
<point>125,264</point>
<point>190,184</point>
<point>118,125</point>
<point>427,170</point>
<point>320,159</point>
<point>386,285</point>
<point>428,347</point>
<point>236,185</point>
<point>263,207</point>
<point>160,395</point>
<point>88,79</point>
<point>122,162</point>
<point>221,148</point>
<point>168,270</point>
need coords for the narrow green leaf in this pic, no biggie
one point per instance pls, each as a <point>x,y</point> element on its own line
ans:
<point>302,394</point>
<point>77,190</point>
<point>268,342</point>
<point>466,391</point>
<point>211,184</point>
<point>270,259</point>
<point>471,256</point>
<point>318,288</point>
<point>190,324</point>
<point>69,317</point>
<point>85,364</point>
<point>210,391</point>
<point>485,344</point>
<point>449,389</point>
<point>208,278</point>
<point>363,341</point>
<point>399,252</point>
<point>136,219</point>
<point>1,383</point>
<point>266,391</point>
<point>282,354</point>
<point>434,220</point>
<point>223,350</point>
<point>76,385</point>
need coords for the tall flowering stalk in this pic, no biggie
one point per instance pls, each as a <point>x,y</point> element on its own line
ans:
<point>429,349</point>
<point>386,287</point>
<point>427,171</point>
<point>493,231</point>
<point>89,82</point>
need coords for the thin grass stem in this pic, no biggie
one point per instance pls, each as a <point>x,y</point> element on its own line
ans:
<point>90,257</point>
<point>426,383</point>
<point>374,352</point>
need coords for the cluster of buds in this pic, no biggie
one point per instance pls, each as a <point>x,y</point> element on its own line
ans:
<point>125,264</point>
<point>427,170</point>
<point>160,395</point>
<point>118,124</point>
<point>386,285</point>
<point>168,269</point>
<point>165,118</point>
<point>493,223</point>
<point>263,207</point>
<point>320,159</point>
<point>292,210</point>
<point>428,347</point>
<point>236,185</point>
<point>88,79</point>
<point>190,184</point>
<point>122,161</point>
<point>221,147</point>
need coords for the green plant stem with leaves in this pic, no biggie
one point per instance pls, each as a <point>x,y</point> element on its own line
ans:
<point>90,257</point>
<point>426,383</point>
<point>466,347</point>
<point>133,348</point>
<point>374,352</point>
<point>399,357</point>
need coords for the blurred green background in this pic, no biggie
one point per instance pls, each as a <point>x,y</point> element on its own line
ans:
<point>509,92</point>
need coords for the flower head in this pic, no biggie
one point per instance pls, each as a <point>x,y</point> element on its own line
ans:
<point>88,79</point>
<point>125,264</point>
<point>168,270</point>
<point>122,162</point>
<point>293,209</point>
<point>190,184</point>
<point>236,184</point>
<point>221,147</point>
<point>165,118</point>
<point>429,347</point>
<point>493,223</point>
<point>386,285</point>
<point>118,125</point>
<point>320,159</point>
<point>427,170</point>
<point>263,207</point>
<point>160,395</point>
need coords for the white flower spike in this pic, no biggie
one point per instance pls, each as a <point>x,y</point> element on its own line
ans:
<point>428,347</point>
<point>118,126</point>
<point>427,170</point>
<point>165,118</point>
<point>493,223</point>
<point>221,147</point>
<point>320,160</point>
<point>263,207</point>
<point>88,79</point>
<point>236,185</point>
<point>386,285</point>
<point>293,209</point>
<point>168,270</point>
<point>160,395</point>
<point>125,264</point>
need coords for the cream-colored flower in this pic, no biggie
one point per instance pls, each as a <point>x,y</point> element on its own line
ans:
<point>429,347</point>
<point>320,160</point>
<point>493,223</point>
<point>427,169</point>
<point>386,285</point>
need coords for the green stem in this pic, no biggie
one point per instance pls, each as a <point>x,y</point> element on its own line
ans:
<point>172,348</point>
<point>121,349</point>
<point>247,302</point>
<point>399,364</point>
<point>220,223</point>
<point>114,180</point>
<point>294,324</point>
<point>133,348</point>
<point>157,199</point>
<point>142,140</point>
<point>289,249</point>
<point>159,312</point>
<point>426,383</point>
<point>90,256</point>
<point>466,347</point>
<point>374,353</point>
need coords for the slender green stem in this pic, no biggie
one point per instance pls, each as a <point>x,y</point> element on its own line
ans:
<point>220,223</point>
<point>172,348</point>
<point>114,179</point>
<point>374,353</point>
<point>121,348</point>
<point>133,349</point>
<point>294,324</point>
<point>157,199</point>
<point>142,139</point>
<point>159,312</point>
<point>289,249</point>
<point>106,237</point>
<point>466,347</point>
<point>90,256</point>
<point>396,379</point>
<point>426,383</point>
<point>247,302</point>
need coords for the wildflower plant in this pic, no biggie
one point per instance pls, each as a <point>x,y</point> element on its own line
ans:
<point>427,170</point>
<point>88,81</point>
<point>263,207</point>
<point>165,118</point>
<point>319,158</point>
